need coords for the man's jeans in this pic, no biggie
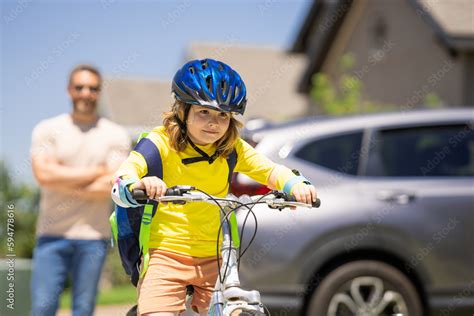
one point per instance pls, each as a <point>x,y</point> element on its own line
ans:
<point>53,259</point>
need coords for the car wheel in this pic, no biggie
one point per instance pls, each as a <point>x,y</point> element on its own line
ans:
<point>366,288</point>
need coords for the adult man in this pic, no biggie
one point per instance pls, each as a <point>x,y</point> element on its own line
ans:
<point>74,157</point>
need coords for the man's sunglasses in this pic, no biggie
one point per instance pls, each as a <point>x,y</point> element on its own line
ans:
<point>92,89</point>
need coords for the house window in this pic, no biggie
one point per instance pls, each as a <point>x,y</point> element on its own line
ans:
<point>379,32</point>
<point>378,39</point>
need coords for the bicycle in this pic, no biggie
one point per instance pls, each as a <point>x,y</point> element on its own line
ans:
<point>229,299</point>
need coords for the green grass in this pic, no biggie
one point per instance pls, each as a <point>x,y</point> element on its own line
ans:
<point>117,295</point>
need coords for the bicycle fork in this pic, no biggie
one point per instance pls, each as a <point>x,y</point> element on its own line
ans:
<point>228,296</point>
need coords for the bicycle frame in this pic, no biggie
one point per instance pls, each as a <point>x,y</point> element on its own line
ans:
<point>228,297</point>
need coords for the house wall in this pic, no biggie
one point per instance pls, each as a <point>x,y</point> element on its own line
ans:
<point>468,79</point>
<point>398,57</point>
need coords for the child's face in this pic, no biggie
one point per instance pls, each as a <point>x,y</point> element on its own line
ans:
<point>206,126</point>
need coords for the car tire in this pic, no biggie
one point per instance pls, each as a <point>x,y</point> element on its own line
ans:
<point>365,286</point>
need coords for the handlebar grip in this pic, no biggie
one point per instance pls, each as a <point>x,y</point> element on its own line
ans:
<point>140,196</point>
<point>291,198</point>
<point>174,191</point>
<point>317,203</point>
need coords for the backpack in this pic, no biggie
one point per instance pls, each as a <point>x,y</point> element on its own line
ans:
<point>131,226</point>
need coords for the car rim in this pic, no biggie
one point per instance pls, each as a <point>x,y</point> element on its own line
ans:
<point>368,296</point>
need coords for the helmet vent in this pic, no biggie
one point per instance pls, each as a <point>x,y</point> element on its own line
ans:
<point>223,85</point>
<point>209,83</point>
<point>220,67</point>
<point>204,64</point>
<point>191,70</point>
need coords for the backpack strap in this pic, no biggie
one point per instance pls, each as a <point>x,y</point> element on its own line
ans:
<point>234,230</point>
<point>144,237</point>
<point>152,156</point>
<point>231,162</point>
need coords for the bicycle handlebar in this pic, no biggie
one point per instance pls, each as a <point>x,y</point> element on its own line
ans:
<point>178,191</point>
<point>291,198</point>
<point>140,195</point>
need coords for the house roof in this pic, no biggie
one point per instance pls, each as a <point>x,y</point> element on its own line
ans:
<point>317,33</point>
<point>135,103</point>
<point>324,18</point>
<point>452,21</point>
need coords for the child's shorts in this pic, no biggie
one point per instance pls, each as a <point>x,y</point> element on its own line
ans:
<point>163,288</point>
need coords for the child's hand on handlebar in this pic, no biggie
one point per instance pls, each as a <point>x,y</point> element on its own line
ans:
<point>304,193</point>
<point>154,187</point>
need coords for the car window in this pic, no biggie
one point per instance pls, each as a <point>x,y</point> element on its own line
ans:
<point>423,151</point>
<point>340,152</point>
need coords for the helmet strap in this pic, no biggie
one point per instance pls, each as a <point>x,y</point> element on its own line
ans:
<point>204,156</point>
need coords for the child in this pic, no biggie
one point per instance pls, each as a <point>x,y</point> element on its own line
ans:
<point>191,147</point>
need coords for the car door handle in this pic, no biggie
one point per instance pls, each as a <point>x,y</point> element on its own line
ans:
<point>398,197</point>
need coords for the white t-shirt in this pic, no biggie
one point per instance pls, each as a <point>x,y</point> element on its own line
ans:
<point>72,144</point>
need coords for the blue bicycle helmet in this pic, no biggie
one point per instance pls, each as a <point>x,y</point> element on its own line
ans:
<point>210,83</point>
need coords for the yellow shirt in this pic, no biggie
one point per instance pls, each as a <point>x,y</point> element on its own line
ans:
<point>191,229</point>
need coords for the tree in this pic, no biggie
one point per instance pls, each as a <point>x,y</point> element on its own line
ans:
<point>24,200</point>
<point>18,218</point>
<point>346,95</point>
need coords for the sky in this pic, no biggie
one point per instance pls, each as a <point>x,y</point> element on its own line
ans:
<point>42,40</point>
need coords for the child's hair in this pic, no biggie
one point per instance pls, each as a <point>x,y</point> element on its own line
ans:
<point>179,141</point>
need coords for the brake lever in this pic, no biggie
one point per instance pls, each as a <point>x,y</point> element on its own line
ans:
<point>274,207</point>
<point>179,190</point>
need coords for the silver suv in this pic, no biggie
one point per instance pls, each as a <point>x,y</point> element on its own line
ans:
<point>395,229</point>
